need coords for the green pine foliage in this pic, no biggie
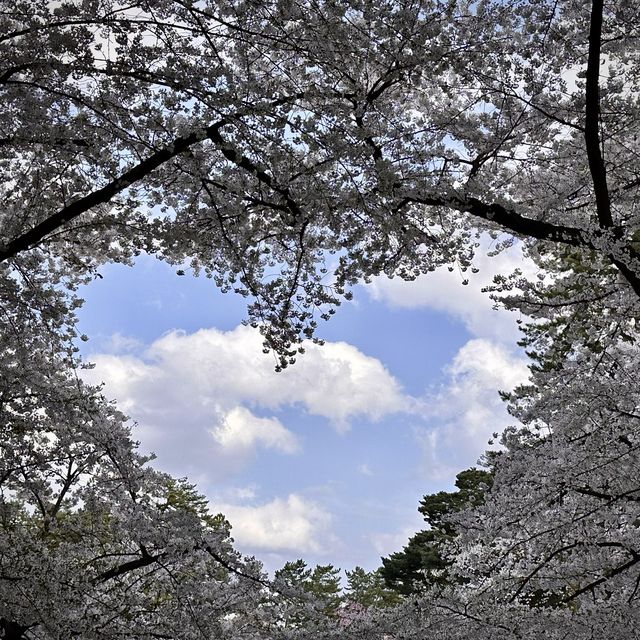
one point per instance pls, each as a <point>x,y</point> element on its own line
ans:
<point>422,562</point>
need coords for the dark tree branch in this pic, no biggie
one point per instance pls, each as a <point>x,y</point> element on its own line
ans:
<point>144,560</point>
<point>249,166</point>
<point>537,569</point>
<point>17,69</point>
<point>635,558</point>
<point>627,496</point>
<point>470,616</point>
<point>511,220</point>
<point>101,196</point>
<point>592,119</point>
<point>140,171</point>
<point>218,558</point>
<point>54,142</point>
<point>629,274</point>
<point>12,630</point>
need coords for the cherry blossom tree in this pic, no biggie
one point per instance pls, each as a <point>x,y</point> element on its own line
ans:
<point>329,142</point>
<point>240,137</point>
<point>93,542</point>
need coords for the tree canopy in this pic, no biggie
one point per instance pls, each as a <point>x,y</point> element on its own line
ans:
<point>328,141</point>
<point>242,136</point>
<point>423,563</point>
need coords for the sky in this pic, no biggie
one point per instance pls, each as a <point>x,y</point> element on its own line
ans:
<point>327,460</point>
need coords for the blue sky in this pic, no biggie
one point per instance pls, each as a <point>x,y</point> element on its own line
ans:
<point>328,460</point>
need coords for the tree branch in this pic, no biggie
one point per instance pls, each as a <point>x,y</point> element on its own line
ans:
<point>249,166</point>
<point>101,196</point>
<point>218,558</point>
<point>12,630</point>
<point>143,561</point>
<point>536,569</point>
<point>635,558</point>
<point>626,496</point>
<point>511,220</point>
<point>592,119</point>
<point>142,170</point>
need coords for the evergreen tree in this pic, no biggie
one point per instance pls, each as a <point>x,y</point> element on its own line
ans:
<point>322,583</point>
<point>423,561</point>
<point>368,589</point>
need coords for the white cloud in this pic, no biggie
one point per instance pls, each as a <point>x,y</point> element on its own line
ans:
<point>227,368</point>
<point>240,430</point>
<point>485,364</point>
<point>467,409</point>
<point>122,374</point>
<point>293,524</point>
<point>196,396</point>
<point>443,291</point>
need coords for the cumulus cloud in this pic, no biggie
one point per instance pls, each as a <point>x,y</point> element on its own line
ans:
<point>336,381</point>
<point>482,363</point>
<point>240,430</point>
<point>443,291</point>
<point>228,368</point>
<point>198,397</point>
<point>467,409</point>
<point>291,524</point>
